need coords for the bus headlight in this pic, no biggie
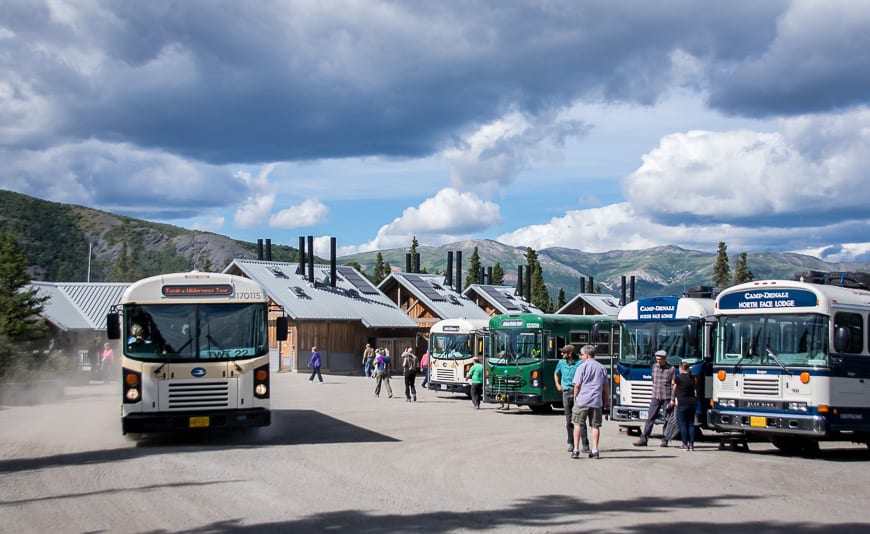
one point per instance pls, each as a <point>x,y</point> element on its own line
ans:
<point>132,385</point>
<point>261,390</point>
<point>797,406</point>
<point>727,403</point>
<point>132,395</point>
<point>261,382</point>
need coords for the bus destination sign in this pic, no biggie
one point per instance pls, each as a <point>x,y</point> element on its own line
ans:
<point>662,308</point>
<point>766,299</point>
<point>197,290</point>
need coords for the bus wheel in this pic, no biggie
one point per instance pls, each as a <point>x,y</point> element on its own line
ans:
<point>541,408</point>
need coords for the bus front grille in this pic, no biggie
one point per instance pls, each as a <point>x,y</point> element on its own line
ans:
<point>445,375</point>
<point>639,393</point>
<point>505,384</point>
<point>761,386</point>
<point>199,394</point>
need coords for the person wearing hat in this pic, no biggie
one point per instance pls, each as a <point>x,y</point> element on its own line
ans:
<point>662,398</point>
<point>475,375</point>
<point>564,379</point>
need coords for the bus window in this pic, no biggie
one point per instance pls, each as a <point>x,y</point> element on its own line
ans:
<point>854,322</point>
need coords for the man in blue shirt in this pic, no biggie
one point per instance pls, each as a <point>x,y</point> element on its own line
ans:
<point>591,398</point>
<point>564,378</point>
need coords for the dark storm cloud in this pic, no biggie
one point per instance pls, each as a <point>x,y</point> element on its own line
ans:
<point>272,81</point>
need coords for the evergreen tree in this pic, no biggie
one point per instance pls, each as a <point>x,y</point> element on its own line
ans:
<point>20,307</point>
<point>721,270</point>
<point>741,270</point>
<point>379,272</point>
<point>560,299</point>
<point>539,292</point>
<point>497,274</point>
<point>473,276</point>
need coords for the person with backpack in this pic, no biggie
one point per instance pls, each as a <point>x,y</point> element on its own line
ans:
<point>382,372</point>
<point>409,371</point>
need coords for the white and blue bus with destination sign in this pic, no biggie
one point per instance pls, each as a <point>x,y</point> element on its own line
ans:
<point>792,363</point>
<point>195,353</point>
<point>681,326</point>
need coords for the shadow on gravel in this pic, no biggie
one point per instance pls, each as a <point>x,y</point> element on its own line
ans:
<point>289,427</point>
<point>544,513</point>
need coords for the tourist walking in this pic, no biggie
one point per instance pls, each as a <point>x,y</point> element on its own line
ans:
<point>475,376</point>
<point>382,372</point>
<point>424,366</point>
<point>409,372</point>
<point>314,363</point>
<point>662,398</point>
<point>368,361</point>
<point>564,378</point>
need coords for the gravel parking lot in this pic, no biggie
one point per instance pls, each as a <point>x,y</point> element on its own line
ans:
<point>337,457</point>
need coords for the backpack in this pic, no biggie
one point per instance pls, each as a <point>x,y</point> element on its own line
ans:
<point>379,362</point>
<point>411,362</point>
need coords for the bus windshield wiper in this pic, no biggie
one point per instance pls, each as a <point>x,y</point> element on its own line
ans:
<point>161,366</point>
<point>776,359</point>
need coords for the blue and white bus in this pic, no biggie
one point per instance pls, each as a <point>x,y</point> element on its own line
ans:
<point>792,363</point>
<point>452,345</point>
<point>683,327</point>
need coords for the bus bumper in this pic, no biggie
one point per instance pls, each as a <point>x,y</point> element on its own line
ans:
<point>520,399</point>
<point>456,387</point>
<point>195,421</point>
<point>629,414</point>
<point>768,423</point>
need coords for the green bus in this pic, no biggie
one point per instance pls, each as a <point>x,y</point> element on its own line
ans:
<point>524,350</point>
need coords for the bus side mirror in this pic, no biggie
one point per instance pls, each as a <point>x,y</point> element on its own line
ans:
<point>281,328</point>
<point>113,325</point>
<point>691,333</point>
<point>842,339</point>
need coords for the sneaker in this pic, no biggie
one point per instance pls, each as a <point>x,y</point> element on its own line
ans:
<point>575,454</point>
<point>691,447</point>
<point>414,398</point>
<point>685,448</point>
<point>585,449</point>
<point>594,455</point>
<point>640,443</point>
<point>664,443</point>
<point>389,396</point>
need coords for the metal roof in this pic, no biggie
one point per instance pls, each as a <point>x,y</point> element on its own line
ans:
<point>430,289</point>
<point>353,298</point>
<point>603,303</point>
<point>501,298</point>
<point>79,305</point>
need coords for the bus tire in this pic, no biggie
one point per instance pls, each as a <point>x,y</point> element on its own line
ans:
<point>541,408</point>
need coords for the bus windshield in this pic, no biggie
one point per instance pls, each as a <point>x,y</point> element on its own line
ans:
<point>641,340</point>
<point>451,346</point>
<point>516,347</point>
<point>191,332</point>
<point>795,339</point>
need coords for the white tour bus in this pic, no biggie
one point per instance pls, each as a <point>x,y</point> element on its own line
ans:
<point>195,353</point>
<point>452,344</point>
<point>684,327</point>
<point>792,363</point>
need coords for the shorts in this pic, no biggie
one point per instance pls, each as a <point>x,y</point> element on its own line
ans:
<point>580,414</point>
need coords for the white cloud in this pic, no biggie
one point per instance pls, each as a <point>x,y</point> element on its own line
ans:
<point>208,225</point>
<point>309,213</point>
<point>448,216</point>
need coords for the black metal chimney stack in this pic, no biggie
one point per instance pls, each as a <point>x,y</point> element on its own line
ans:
<point>622,299</point>
<point>300,269</point>
<point>449,279</point>
<point>528,287</point>
<point>332,267</point>
<point>631,290</point>
<point>416,262</point>
<point>458,271</point>
<point>481,277</point>
<point>268,249</point>
<point>311,259</point>
<point>583,284</point>
<point>591,285</point>
<point>520,282</point>
<point>489,276</point>
<point>408,263</point>
<point>260,249</point>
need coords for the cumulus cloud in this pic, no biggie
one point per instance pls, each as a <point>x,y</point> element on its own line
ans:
<point>446,217</point>
<point>810,172</point>
<point>310,212</point>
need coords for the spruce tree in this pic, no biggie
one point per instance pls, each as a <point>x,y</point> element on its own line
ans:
<point>473,276</point>
<point>560,299</point>
<point>540,294</point>
<point>497,275</point>
<point>721,270</point>
<point>20,306</point>
<point>741,270</point>
<point>379,273</point>
<point>414,244</point>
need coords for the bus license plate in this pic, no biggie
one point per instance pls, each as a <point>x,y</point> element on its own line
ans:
<point>643,415</point>
<point>443,386</point>
<point>198,422</point>
<point>756,420</point>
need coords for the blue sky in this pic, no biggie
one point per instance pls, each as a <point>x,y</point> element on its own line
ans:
<point>595,125</point>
